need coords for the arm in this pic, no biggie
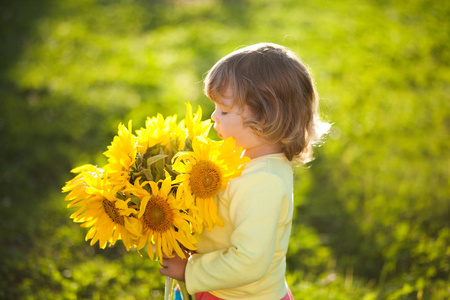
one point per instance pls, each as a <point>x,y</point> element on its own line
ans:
<point>255,211</point>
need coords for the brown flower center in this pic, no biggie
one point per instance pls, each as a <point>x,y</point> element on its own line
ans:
<point>158,214</point>
<point>112,212</point>
<point>206,179</point>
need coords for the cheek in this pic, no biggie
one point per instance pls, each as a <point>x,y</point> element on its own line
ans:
<point>242,135</point>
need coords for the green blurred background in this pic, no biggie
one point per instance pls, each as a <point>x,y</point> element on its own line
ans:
<point>372,211</point>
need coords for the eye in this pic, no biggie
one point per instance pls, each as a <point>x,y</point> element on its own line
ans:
<point>223,113</point>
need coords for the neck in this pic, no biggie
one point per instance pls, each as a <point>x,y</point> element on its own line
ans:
<point>261,150</point>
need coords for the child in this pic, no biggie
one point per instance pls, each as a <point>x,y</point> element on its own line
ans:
<point>265,99</point>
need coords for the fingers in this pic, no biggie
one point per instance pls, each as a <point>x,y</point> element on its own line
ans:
<point>166,261</point>
<point>167,266</point>
<point>173,267</point>
<point>164,271</point>
<point>164,266</point>
<point>162,262</point>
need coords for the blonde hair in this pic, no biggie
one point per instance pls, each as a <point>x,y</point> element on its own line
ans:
<point>278,89</point>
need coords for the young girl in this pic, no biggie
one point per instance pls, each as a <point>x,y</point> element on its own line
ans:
<point>265,99</point>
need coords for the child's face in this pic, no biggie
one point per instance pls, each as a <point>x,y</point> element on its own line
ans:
<point>229,122</point>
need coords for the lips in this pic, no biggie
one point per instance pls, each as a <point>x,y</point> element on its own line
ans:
<point>218,133</point>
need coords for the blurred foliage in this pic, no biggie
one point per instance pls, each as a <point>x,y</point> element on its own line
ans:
<point>372,211</point>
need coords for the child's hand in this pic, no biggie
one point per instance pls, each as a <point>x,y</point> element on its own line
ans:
<point>174,267</point>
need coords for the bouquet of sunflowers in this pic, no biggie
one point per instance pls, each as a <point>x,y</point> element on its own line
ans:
<point>158,186</point>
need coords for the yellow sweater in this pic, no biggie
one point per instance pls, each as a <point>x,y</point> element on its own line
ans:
<point>246,258</point>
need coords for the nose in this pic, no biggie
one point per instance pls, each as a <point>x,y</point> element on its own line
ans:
<point>214,115</point>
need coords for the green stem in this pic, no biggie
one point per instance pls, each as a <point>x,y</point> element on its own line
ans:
<point>184,293</point>
<point>168,289</point>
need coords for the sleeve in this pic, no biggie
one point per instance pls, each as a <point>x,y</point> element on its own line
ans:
<point>254,211</point>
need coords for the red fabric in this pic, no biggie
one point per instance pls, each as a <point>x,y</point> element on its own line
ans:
<point>208,296</point>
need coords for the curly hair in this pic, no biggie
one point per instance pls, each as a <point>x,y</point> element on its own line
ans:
<point>278,89</point>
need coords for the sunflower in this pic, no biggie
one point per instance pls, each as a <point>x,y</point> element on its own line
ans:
<point>163,222</point>
<point>204,172</point>
<point>160,131</point>
<point>194,124</point>
<point>121,156</point>
<point>109,217</point>
<point>157,143</point>
<point>77,186</point>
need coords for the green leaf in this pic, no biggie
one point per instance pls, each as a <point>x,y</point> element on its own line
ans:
<point>135,200</point>
<point>153,159</point>
<point>146,174</point>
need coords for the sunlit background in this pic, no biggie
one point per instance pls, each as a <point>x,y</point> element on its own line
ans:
<point>372,211</point>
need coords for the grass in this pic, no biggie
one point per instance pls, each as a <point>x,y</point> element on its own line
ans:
<point>372,212</point>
